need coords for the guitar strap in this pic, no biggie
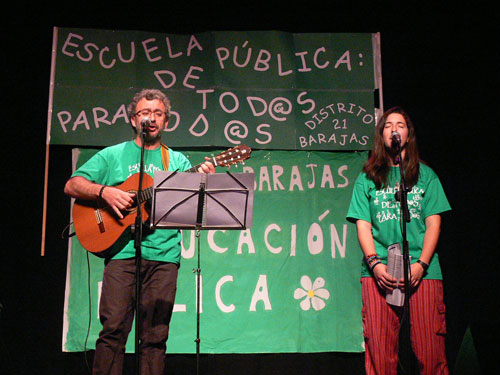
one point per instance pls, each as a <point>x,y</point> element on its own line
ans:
<point>164,156</point>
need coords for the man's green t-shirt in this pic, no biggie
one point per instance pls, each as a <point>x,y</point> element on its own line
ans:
<point>112,166</point>
<point>382,210</point>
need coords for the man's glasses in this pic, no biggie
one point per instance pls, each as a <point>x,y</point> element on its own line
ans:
<point>148,112</point>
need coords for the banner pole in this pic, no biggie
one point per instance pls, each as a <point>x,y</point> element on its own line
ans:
<point>47,144</point>
<point>377,69</point>
<point>44,211</point>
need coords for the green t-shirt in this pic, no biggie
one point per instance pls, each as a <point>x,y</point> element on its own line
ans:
<point>112,166</point>
<point>382,210</point>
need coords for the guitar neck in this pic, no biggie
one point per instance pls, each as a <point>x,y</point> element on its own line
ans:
<point>195,168</point>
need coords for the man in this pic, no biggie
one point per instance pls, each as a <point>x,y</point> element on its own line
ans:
<point>149,112</point>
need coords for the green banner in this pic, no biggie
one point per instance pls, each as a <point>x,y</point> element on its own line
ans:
<point>266,89</point>
<point>290,283</point>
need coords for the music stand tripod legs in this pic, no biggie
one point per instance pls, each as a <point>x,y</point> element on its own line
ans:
<point>199,201</point>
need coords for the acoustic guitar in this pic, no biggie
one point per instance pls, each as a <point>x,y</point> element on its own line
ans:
<point>96,224</point>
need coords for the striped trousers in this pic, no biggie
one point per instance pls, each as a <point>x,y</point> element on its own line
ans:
<point>381,324</point>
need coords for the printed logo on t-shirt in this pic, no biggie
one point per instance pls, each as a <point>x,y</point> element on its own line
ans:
<point>388,208</point>
<point>149,169</point>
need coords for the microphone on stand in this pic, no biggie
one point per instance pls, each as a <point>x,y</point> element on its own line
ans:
<point>396,138</point>
<point>396,146</point>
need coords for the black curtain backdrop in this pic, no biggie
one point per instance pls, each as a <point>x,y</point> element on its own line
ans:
<point>439,63</point>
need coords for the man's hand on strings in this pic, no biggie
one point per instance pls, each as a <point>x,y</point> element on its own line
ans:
<point>117,199</point>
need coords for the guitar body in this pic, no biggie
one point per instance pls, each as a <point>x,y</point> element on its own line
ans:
<point>96,224</point>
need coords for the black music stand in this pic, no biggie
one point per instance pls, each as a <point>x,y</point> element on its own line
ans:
<point>202,201</point>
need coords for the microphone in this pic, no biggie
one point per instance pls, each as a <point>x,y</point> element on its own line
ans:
<point>145,123</point>
<point>396,138</point>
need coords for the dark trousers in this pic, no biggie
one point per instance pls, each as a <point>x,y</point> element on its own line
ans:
<point>116,311</point>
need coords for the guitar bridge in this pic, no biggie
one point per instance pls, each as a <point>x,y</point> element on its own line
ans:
<point>100,222</point>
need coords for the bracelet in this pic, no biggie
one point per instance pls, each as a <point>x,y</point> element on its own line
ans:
<point>372,266</point>
<point>100,191</point>
<point>423,264</point>
<point>372,260</point>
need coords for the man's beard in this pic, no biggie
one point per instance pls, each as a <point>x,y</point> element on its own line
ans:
<point>150,138</point>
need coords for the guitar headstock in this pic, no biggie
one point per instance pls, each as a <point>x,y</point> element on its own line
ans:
<point>232,156</point>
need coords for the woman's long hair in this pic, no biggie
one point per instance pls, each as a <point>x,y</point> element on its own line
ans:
<point>377,166</point>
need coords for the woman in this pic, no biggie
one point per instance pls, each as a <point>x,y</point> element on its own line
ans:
<point>376,211</point>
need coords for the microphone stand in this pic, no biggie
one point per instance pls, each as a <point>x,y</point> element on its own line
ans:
<point>138,259</point>
<point>405,218</point>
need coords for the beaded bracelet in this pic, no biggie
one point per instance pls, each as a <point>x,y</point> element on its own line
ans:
<point>372,261</point>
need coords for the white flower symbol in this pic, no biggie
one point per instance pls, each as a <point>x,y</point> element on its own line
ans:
<point>314,294</point>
